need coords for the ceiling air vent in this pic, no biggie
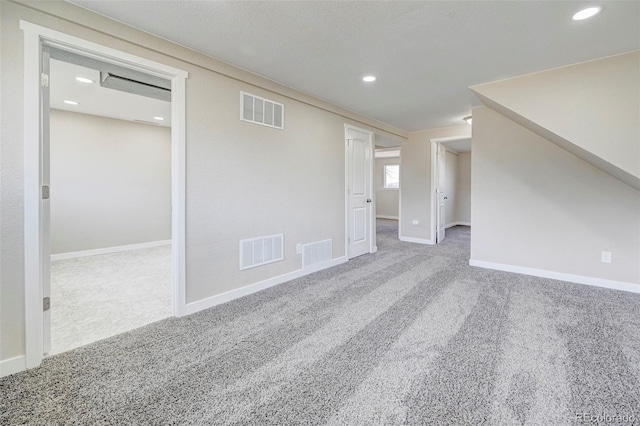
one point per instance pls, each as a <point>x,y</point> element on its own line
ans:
<point>136,87</point>
<point>257,110</point>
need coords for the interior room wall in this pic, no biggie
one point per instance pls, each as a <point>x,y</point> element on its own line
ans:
<point>463,189</point>
<point>242,180</point>
<point>110,182</point>
<point>450,187</point>
<point>415,175</point>
<point>387,200</point>
<point>535,205</point>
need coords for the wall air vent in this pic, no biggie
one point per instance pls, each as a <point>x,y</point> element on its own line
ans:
<point>260,251</point>
<point>257,110</point>
<point>317,252</point>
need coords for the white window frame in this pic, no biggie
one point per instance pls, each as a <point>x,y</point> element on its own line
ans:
<point>384,177</point>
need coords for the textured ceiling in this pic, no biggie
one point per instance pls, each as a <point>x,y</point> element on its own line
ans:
<point>425,54</point>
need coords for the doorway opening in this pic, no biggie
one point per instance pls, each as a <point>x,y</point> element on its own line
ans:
<point>387,191</point>
<point>450,184</point>
<point>38,192</point>
<point>110,199</point>
<point>388,188</point>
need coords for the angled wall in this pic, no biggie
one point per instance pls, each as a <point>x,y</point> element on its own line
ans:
<point>591,109</point>
<point>535,206</point>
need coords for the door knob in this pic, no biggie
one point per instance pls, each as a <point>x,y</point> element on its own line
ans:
<point>368,200</point>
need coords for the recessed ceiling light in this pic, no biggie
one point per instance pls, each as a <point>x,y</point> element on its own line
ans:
<point>468,120</point>
<point>159,118</point>
<point>84,80</point>
<point>369,78</point>
<point>586,13</point>
<point>72,102</point>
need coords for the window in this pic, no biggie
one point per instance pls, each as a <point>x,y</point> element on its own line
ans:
<point>392,176</point>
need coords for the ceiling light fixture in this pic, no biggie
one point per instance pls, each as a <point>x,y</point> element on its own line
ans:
<point>369,78</point>
<point>159,118</point>
<point>468,120</point>
<point>84,80</point>
<point>586,13</point>
<point>72,103</point>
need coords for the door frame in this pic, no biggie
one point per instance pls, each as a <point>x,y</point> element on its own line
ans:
<point>372,223</point>
<point>434,176</point>
<point>35,36</point>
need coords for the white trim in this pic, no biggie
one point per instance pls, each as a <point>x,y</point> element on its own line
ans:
<point>228,296</point>
<point>12,365</point>
<point>400,198</point>
<point>561,276</point>
<point>416,240</point>
<point>179,193</point>
<point>34,37</point>
<point>382,216</point>
<point>34,343</point>
<point>346,193</point>
<point>98,51</point>
<point>452,224</point>
<point>107,250</point>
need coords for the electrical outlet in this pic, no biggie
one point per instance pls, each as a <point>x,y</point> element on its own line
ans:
<point>606,257</point>
<point>414,222</point>
<point>298,248</point>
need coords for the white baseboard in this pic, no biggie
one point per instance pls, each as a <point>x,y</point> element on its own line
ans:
<point>449,225</point>
<point>107,250</point>
<point>381,216</point>
<point>12,365</point>
<point>416,240</point>
<point>228,296</point>
<point>374,249</point>
<point>561,276</point>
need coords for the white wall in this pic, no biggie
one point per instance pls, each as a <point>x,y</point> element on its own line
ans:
<point>110,182</point>
<point>242,180</point>
<point>463,189</point>
<point>536,205</point>
<point>450,187</point>
<point>415,172</point>
<point>387,200</point>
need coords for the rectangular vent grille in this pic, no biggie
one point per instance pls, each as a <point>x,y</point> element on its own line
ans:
<point>317,252</point>
<point>257,110</point>
<point>260,251</point>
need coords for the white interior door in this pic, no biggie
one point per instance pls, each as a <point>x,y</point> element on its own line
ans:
<point>45,243</point>
<point>441,217</point>
<point>360,206</point>
<point>440,196</point>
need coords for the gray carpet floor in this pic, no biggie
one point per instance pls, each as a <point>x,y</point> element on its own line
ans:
<point>409,335</point>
